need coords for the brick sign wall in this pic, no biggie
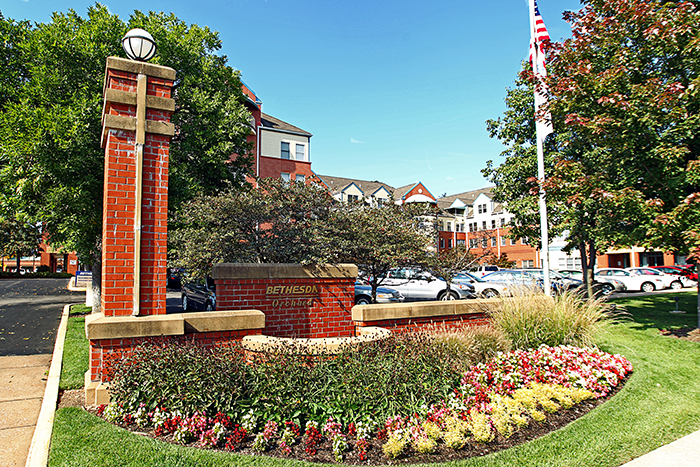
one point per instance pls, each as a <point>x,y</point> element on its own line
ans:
<point>298,301</point>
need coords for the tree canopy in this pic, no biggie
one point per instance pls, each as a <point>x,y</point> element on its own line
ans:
<point>622,168</point>
<point>51,77</point>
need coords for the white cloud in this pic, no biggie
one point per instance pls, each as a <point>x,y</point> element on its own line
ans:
<point>354,141</point>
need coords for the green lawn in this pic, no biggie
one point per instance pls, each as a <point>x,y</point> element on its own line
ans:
<point>659,403</point>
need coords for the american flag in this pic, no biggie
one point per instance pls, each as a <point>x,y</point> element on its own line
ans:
<point>540,31</point>
<point>538,34</point>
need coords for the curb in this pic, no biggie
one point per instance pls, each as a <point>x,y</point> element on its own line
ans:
<point>41,441</point>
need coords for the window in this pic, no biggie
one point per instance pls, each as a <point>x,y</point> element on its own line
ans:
<point>528,263</point>
<point>353,198</point>
<point>300,152</point>
<point>460,242</point>
<point>442,243</point>
<point>493,224</point>
<point>503,222</point>
<point>285,176</point>
<point>472,242</point>
<point>483,225</point>
<point>285,150</point>
<point>449,226</point>
<point>482,209</point>
<point>493,241</point>
<point>449,243</point>
<point>525,241</point>
<point>503,241</point>
<point>484,243</point>
<point>300,178</point>
<point>512,242</point>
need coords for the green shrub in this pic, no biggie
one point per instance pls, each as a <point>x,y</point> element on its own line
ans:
<point>531,319</point>
<point>471,345</point>
<point>180,375</point>
<point>379,379</point>
<point>393,376</point>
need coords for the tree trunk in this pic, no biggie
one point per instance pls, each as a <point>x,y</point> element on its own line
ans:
<point>588,256</point>
<point>19,259</point>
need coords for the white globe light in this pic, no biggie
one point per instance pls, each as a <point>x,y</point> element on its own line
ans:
<point>139,45</point>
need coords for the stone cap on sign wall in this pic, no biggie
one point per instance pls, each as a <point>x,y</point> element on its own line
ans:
<point>98,326</point>
<point>283,271</point>
<point>433,309</point>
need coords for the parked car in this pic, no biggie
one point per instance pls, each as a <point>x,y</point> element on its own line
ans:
<point>198,294</point>
<point>482,288</point>
<point>419,285</point>
<point>174,280</point>
<point>686,276</point>
<point>606,285</point>
<point>632,280</point>
<point>363,294</point>
<point>483,269</point>
<point>514,278</point>
<point>672,281</point>
<point>560,283</point>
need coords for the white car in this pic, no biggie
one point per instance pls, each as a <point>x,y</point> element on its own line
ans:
<point>672,281</point>
<point>482,288</point>
<point>632,280</point>
<point>418,285</point>
<point>606,284</point>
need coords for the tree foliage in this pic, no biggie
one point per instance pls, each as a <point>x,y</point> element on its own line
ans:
<point>622,169</point>
<point>278,222</point>
<point>378,239</point>
<point>51,163</point>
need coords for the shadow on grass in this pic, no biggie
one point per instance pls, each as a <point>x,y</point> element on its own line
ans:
<point>655,311</point>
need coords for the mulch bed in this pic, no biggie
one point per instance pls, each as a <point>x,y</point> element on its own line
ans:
<point>375,456</point>
<point>689,334</point>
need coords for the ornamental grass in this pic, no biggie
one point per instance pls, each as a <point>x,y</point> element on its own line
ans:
<point>530,319</point>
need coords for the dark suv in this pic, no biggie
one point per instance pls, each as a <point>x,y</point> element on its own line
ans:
<point>198,294</point>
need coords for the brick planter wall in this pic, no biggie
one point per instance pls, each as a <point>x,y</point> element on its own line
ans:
<point>298,301</point>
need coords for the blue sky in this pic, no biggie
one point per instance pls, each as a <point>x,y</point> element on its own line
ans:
<point>395,91</point>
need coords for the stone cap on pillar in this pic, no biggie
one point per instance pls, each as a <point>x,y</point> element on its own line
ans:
<point>283,271</point>
<point>117,96</point>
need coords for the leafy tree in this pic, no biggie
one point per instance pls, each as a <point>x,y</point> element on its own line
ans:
<point>18,238</point>
<point>623,96</point>
<point>447,263</point>
<point>278,222</point>
<point>378,239</point>
<point>51,163</point>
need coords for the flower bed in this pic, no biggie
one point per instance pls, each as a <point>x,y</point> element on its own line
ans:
<point>510,399</point>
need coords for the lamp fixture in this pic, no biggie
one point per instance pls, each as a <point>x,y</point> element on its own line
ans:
<point>139,45</point>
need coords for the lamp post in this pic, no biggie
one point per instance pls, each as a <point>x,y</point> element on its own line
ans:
<point>139,45</point>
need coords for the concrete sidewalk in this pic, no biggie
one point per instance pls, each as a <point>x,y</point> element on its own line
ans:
<point>684,452</point>
<point>22,385</point>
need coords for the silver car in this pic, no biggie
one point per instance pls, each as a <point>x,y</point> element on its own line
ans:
<point>363,294</point>
<point>485,289</point>
<point>418,285</point>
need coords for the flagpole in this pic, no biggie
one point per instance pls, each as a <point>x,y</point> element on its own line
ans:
<point>544,231</point>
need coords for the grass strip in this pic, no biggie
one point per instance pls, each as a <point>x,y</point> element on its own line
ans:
<point>75,354</point>
<point>659,404</point>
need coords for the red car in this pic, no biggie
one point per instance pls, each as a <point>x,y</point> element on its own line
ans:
<point>679,270</point>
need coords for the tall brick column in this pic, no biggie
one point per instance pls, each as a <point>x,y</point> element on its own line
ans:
<point>136,133</point>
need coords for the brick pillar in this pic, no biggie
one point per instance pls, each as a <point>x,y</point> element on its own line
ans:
<point>137,110</point>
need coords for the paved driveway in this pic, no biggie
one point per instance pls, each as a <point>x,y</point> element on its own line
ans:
<point>30,311</point>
